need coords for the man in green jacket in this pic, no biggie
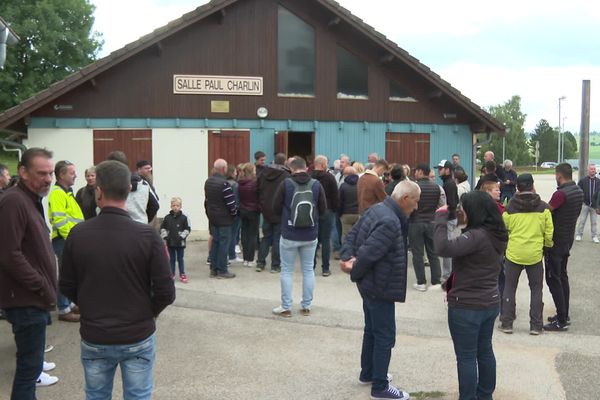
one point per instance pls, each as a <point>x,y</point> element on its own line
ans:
<point>529,223</point>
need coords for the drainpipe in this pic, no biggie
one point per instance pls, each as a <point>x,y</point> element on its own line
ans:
<point>14,146</point>
<point>7,37</point>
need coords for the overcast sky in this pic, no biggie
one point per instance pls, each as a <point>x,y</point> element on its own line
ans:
<point>539,50</point>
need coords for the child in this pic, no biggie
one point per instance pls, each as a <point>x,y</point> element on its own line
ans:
<point>174,229</point>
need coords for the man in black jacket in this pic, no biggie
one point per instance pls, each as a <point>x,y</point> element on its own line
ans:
<point>268,183</point>
<point>590,185</point>
<point>375,255</point>
<point>327,220</point>
<point>117,271</point>
<point>446,172</point>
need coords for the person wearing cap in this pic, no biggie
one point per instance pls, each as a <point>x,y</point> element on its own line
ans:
<point>530,228</point>
<point>446,170</point>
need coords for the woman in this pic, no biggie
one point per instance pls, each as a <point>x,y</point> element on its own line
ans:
<point>397,175</point>
<point>249,213</point>
<point>473,301</point>
<point>235,227</point>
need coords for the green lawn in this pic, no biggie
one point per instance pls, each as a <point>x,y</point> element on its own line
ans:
<point>10,160</point>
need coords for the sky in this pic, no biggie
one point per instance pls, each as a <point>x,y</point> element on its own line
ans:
<point>490,51</point>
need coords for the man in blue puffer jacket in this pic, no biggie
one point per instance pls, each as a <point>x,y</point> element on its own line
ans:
<point>375,255</point>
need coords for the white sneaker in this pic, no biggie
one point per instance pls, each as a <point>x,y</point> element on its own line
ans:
<point>436,287</point>
<point>578,238</point>
<point>236,260</point>
<point>245,263</point>
<point>420,288</point>
<point>46,380</point>
<point>48,348</point>
<point>237,249</point>
<point>48,366</point>
<point>251,264</point>
<point>595,239</point>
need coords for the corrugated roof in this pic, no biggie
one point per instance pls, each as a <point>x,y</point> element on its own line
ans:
<point>90,71</point>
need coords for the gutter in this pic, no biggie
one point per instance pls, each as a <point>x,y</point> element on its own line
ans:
<point>7,37</point>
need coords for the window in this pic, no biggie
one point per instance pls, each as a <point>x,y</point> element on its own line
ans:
<point>352,76</point>
<point>295,55</point>
<point>398,93</point>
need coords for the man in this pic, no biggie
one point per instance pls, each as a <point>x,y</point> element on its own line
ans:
<point>508,185</point>
<point>4,177</point>
<point>565,205</point>
<point>144,170</point>
<point>260,158</point>
<point>327,220</point>
<point>370,188</point>
<point>300,201</point>
<point>420,233</point>
<point>348,209</point>
<point>489,172</point>
<point>336,230</point>
<point>590,186</point>
<point>64,213</point>
<point>86,196</point>
<point>489,156</point>
<point>375,255</point>
<point>344,163</point>
<point>27,267</point>
<point>446,171</point>
<point>221,209</point>
<point>268,182</point>
<point>117,270</point>
<point>529,224</point>
<point>456,160</point>
<point>141,206</point>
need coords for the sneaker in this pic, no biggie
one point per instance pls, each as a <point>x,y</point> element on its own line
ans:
<point>361,382</point>
<point>225,275</point>
<point>69,317</point>
<point>45,380</point>
<point>437,286</point>
<point>555,318</point>
<point>275,270</point>
<point>236,260</point>
<point>251,264</point>
<point>282,312</point>
<point>208,261</point>
<point>245,264</point>
<point>260,266</point>
<point>183,278</point>
<point>595,239</point>
<point>326,273</point>
<point>578,238</point>
<point>48,348</point>
<point>237,249</point>
<point>75,309</point>
<point>556,326</point>
<point>48,366</point>
<point>420,288</point>
<point>505,328</point>
<point>305,312</point>
<point>535,332</point>
<point>213,273</point>
<point>391,392</point>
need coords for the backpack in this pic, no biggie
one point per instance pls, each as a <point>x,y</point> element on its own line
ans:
<point>302,206</point>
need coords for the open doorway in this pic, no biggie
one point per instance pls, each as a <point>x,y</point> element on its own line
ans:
<point>296,144</point>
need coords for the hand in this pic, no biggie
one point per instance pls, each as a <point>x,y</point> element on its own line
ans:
<point>346,266</point>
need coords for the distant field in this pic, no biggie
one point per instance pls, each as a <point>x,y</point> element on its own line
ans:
<point>595,150</point>
<point>10,160</point>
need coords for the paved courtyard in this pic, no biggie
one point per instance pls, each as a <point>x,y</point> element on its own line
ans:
<point>220,341</point>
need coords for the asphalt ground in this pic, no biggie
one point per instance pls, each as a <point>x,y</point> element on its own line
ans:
<point>220,341</point>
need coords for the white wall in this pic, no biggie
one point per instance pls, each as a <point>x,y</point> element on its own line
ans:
<point>180,167</point>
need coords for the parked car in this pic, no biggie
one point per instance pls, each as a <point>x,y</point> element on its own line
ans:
<point>548,164</point>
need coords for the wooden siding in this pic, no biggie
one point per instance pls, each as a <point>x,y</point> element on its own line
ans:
<point>407,148</point>
<point>244,43</point>
<point>232,146</point>
<point>135,143</point>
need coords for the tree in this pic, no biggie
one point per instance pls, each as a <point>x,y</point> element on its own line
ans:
<point>570,148</point>
<point>515,142</point>
<point>56,39</point>
<point>548,138</point>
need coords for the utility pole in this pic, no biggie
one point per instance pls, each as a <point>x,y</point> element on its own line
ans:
<point>559,156</point>
<point>584,131</point>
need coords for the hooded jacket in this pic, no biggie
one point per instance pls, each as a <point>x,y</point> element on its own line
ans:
<point>268,183</point>
<point>349,196</point>
<point>529,223</point>
<point>476,256</point>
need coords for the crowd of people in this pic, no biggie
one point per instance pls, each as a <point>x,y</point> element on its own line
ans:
<point>369,216</point>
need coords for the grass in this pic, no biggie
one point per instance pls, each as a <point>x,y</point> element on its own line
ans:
<point>427,395</point>
<point>10,160</point>
<point>532,170</point>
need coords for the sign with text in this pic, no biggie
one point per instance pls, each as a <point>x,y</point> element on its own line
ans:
<point>211,84</point>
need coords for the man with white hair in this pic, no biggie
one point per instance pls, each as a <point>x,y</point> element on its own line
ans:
<point>508,187</point>
<point>221,209</point>
<point>375,255</point>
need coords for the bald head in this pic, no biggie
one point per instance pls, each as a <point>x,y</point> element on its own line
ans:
<point>489,156</point>
<point>349,171</point>
<point>220,166</point>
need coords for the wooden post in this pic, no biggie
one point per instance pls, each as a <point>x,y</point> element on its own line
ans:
<point>584,132</point>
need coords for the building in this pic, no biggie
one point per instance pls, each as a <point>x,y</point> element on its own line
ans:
<point>236,76</point>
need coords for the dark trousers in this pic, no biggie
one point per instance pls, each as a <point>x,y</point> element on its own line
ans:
<point>220,246</point>
<point>420,239</point>
<point>378,340</point>
<point>557,280</point>
<point>471,332</point>
<point>326,223</point>
<point>29,329</point>
<point>63,303</point>
<point>235,237</point>
<point>535,276</point>
<point>336,233</point>
<point>250,220</point>
<point>271,236</point>
<point>176,254</point>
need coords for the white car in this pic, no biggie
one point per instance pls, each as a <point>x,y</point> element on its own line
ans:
<point>548,164</point>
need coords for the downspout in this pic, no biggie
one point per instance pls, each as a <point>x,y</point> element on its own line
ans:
<point>6,38</point>
<point>17,147</point>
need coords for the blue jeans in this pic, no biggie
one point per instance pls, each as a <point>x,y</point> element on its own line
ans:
<point>326,222</point>
<point>176,254</point>
<point>220,244</point>
<point>63,304</point>
<point>378,340</point>
<point>471,332</point>
<point>271,236</point>
<point>235,237</point>
<point>289,249</point>
<point>136,361</point>
<point>336,233</point>
<point>29,329</point>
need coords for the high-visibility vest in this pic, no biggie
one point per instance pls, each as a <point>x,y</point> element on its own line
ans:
<point>64,211</point>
